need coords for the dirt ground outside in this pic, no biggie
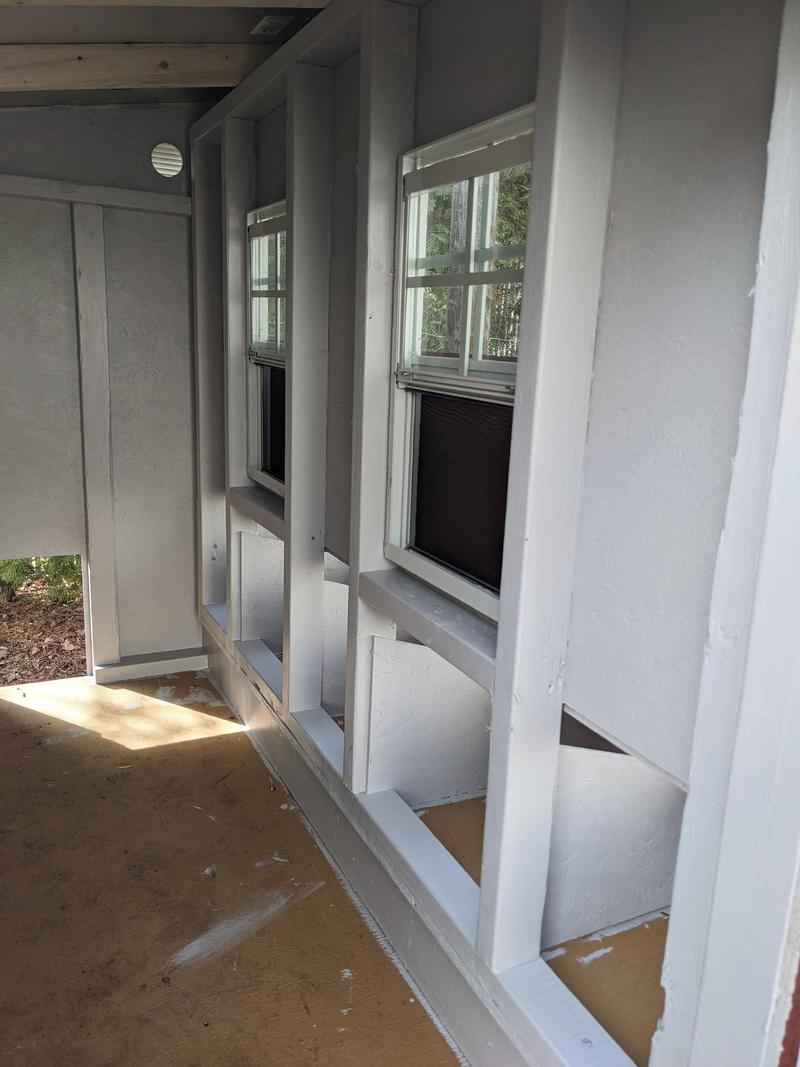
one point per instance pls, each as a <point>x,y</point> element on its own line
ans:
<point>40,640</point>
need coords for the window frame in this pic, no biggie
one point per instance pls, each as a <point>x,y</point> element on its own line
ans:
<point>483,149</point>
<point>263,221</point>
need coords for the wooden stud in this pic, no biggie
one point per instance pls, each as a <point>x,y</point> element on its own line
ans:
<point>105,195</point>
<point>574,139</point>
<point>90,273</point>
<point>238,191</point>
<point>266,5</point>
<point>743,802</point>
<point>386,129</point>
<point>310,101</point>
<point>57,67</point>
<point>209,373</point>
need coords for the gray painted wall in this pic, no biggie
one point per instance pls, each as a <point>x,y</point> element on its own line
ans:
<point>150,353</point>
<point>670,362</point>
<point>101,146</point>
<point>150,339</point>
<point>271,157</point>
<point>476,61</point>
<point>342,308</point>
<point>41,464</point>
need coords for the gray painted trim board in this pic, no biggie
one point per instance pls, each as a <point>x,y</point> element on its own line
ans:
<point>105,196</point>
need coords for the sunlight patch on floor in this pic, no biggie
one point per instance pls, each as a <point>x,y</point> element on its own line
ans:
<point>120,715</point>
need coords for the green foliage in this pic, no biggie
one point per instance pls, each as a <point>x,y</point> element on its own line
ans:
<point>13,572</point>
<point>63,577</point>
<point>501,207</point>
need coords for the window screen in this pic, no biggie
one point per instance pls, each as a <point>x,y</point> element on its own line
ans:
<point>461,481</point>
<point>273,422</point>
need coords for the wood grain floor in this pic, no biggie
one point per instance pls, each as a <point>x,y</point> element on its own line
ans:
<point>163,902</point>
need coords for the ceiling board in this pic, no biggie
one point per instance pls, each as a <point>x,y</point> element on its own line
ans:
<point>54,68</point>
<point>264,5</point>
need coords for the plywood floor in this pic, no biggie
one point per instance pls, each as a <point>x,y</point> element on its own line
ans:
<point>163,903</point>
<point>616,974</point>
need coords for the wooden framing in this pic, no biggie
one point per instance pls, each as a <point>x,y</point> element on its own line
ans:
<point>90,271</point>
<point>57,67</point>
<point>262,4</point>
<point>238,184</point>
<point>476,951</point>
<point>574,140</point>
<point>735,835</point>
<point>309,210</point>
<point>104,196</point>
<point>209,374</point>
<point>388,47</point>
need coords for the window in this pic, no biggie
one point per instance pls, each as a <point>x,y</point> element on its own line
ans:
<point>268,348</point>
<point>462,238</point>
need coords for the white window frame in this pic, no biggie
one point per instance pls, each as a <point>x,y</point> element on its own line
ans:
<point>492,146</point>
<point>261,223</point>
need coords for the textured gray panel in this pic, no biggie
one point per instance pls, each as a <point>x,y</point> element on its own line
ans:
<point>41,470</point>
<point>147,259</point>
<point>476,60</point>
<point>271,157</point>
<point>101,146</point>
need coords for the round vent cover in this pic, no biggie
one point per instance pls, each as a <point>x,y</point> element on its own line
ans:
<point>167,160</point>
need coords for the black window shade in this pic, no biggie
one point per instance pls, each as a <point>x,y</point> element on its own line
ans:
<point>273,422</point>
<point>461,484</point>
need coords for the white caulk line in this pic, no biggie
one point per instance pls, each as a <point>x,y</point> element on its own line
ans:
<point>231,932</point>
<point>629,924</point>
<point>595,955</point>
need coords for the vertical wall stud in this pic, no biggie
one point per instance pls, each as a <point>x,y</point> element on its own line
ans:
<point>90,273</point>
<point>743,800</point>
<point>386,129</point>
<point>310,102</point>
<point>209,372</point>
<point>576,112</point>
<point>238,192</point>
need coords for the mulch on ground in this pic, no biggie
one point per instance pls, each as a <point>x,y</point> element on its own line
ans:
<point>40,640</point>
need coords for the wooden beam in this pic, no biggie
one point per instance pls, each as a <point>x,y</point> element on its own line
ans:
<point>264,5</point>
<point>576,110</point>
<point>54,67</point>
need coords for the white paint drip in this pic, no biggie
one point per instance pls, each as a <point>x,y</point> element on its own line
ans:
<point>271,861</point>
<point>76,731</point>
<point>228,933</point>
<point>345,1011</point>
<point>584,960</point>
<point>553,953</point>
<point>346,974</point>
<point>288,807</point>
<point>196,695</point>
<point>211,871</point>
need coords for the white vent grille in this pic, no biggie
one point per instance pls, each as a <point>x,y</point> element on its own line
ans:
<point>167,160</point>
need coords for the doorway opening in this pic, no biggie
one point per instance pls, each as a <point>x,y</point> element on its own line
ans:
<point>42,619</point>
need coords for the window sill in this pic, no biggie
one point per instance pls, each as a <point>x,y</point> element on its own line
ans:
<point>260,505</point>
<point>458,634</point>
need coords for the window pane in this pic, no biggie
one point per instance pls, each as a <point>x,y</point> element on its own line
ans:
<point>437,230</point>
<point>269,322</point>
<point>461,483</point>
<point>281,237</point>
<point>273,421</point>
<point>435,322</point>
<point>502,218</point>
<point>496,311</point>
